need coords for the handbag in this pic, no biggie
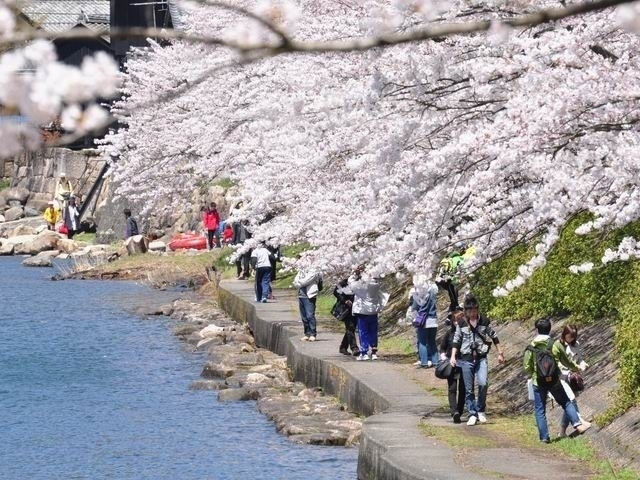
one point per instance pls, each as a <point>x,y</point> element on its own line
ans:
<point>63,229</point>
<point>340,311</point>
<point>575,382</point>
<point>420,320</point>
<point>444,369</point>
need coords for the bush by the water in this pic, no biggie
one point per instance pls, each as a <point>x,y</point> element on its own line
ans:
<point>608,293</point>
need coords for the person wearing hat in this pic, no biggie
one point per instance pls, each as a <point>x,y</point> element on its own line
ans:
<point>473,339</point>
<point>51,215</point>
<point>64,192</point>
<point>72,218</point>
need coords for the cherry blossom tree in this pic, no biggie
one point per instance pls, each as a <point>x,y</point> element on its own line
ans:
<point>387,133</point>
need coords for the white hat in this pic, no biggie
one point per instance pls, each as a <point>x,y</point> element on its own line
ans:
<point>63,174</point>
<point>50,202</point>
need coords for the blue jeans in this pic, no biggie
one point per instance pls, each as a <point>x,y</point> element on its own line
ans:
<point>368,332</point>
<point>427,348</point>
<point>308,315</point>
<point>565,418</point>
<point>263,277</point>
<point>475,371</point>
<point>540,407</point>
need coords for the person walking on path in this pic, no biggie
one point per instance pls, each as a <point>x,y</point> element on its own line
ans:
<point>423,302</point>
<point>240,235</point>
<point>368,302</point>
<point>211,222</point>
<point>569,339</point>
<point>344,304</point>
<point>541,360</point>
<point>449,274</point>
<point>276,256</point>
<point>261,261</point>
<point>456,391</point>
<point>309,283</point>
<point>130,225</point>
<point>51,216</point>
<point>72,218</point>
<point>472,340</point>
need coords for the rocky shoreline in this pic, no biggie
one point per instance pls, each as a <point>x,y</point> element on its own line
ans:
<point>240,371</point>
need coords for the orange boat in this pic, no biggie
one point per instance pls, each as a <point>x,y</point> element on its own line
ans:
<point>185,241</point>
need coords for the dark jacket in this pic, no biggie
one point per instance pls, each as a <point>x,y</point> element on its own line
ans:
<point>469,340</point>
<point>446,344</point>
<point>130,228</point>
<point>68,221</point>
<point>341,296</point>
<point>240,233</point>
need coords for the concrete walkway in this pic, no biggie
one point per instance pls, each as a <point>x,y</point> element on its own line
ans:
<point>392,444</point>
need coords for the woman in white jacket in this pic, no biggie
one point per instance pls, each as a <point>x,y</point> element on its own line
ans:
<point>369,300</point>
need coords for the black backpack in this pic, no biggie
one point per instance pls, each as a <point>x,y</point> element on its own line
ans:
<point>547,370</point>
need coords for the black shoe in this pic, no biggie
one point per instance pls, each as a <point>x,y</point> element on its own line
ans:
<point>344,351</point>
<point>456,417</point>
<point>355,353</point>
<point>546,440</point>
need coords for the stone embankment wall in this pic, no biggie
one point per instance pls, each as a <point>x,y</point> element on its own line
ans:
<point>36,174</point>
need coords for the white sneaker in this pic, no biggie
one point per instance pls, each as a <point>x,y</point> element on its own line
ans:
<point>583,427</point>
<point>482,418</point>
<point>417,364</point>
<point>312,338</point>
<point>362,357</point>
<point>472,420</point>
<point>429,364</point>
<point>373,356</point>
<point>305,339</point>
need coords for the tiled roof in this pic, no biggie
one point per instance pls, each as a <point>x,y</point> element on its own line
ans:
<point>62,15</point>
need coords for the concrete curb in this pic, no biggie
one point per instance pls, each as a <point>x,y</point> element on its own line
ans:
<point>392,446</point>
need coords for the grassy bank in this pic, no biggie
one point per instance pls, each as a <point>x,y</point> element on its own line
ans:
<point>607,293</point>
<point>520,431</point>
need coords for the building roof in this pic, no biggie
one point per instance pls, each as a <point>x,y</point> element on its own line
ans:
<point>63,15</point>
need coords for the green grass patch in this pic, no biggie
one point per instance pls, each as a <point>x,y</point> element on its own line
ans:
<point>4,183</point>
<point>456,437</point>
<point>522,430</point>
<point>608,293</point>
<point>89,238</point>
<point>397,345</point>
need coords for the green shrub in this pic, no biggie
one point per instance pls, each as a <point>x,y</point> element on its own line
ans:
<point>608,292</point>
<point>4,183</point>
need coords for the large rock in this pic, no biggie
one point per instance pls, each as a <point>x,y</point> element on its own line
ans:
<point>237,395</point>
<point>216,370</point>
<point>43,259</point>
<point>67,246</point>
<point>31,212</point>
<point>19,239</point>
<point>136,244</point>
<point>157,246</point>
<point>43,242</point>
<point>1,218</point>
<point>14,213</point>
<point>212,331</point>
<point>6,249</point>
<point>23,230</point>
<point>17,194</point>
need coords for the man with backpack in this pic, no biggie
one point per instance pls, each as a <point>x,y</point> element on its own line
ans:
<point>541,360</point>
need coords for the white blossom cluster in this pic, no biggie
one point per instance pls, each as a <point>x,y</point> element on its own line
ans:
<point>36,89</point>
<point>393,157</point>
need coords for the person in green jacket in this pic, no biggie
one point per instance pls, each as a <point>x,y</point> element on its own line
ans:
<point>542,342</point>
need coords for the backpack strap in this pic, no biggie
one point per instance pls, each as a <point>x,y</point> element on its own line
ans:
<point>550,343</point>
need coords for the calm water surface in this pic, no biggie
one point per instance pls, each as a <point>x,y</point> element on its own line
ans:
<point>90,391</point>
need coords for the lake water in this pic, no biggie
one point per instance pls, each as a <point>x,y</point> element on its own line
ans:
<point>90,391</point>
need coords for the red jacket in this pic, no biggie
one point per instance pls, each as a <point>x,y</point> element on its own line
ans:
<point>211,219</point>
